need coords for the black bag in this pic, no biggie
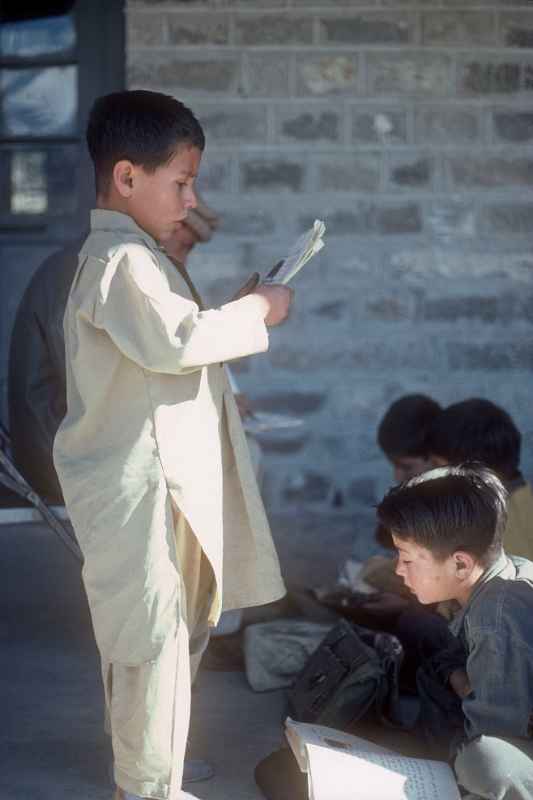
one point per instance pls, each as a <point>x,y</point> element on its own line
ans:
<point>352,674</point>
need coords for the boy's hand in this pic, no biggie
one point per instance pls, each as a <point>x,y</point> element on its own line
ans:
<point>278,300</point>
<point>460,683</point>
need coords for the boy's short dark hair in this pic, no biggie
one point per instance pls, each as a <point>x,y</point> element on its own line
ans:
<point>405,430</point>
<point>143,127</point>
<point>449,509</point>
<point>478,430</point>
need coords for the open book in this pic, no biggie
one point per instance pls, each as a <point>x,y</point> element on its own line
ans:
<point>305,247</point>
<point>344,767</point>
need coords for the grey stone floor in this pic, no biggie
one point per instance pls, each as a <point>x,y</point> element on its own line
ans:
<point>52,746</point>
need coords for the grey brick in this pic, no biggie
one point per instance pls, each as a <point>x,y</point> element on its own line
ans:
<point>267,75</point>
<point>410,171</point>
<point>301,125</point>
<point>445,125</point>
<point>398,219</point>
<point>298,359</point>
<point>370,219</point>
<point>350,173</point>
<point>271,174</point>
<point>380,125</point>
<point>340,223</point>
<point>197,29</point>
<point>413,72</point>
<point>366,28</point>
<point>246,4</point>
<point>341,4</point>
<point>215,174</point>
<point>487,77</point>
<point>247,223</point>
<point>517,29</point>
<point>458,28</point>
<point>425,264</point>
<point>283,444</point>
<point>332,310</point>
<point>450,217</point>
<point>273,29</point>
<point>236,122</point>
<point>528,77</point>
<point>484,308</point>
<point>145,29</point>
<point>378,354</point>
<point>507,218</point>
<point>294,402</point>
<point>512,126</point>
<point>493,356</point>
<point>189,75</point>
<point>388,309</point>
<point>469,171</point>
<point>327,74</point>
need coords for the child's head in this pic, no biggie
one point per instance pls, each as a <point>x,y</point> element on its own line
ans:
<point>404,434</point>
<point>477,430</point>
<point>146,149</point>
<point>447,526</point>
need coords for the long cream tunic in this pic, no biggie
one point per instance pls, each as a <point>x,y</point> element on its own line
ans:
<point>151,425</point>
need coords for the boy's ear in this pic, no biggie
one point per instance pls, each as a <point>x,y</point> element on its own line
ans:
<point>123,175</point>
<point>464,564</point>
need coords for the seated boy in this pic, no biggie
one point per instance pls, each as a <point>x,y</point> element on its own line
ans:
<point>447,526</point>
<point>404,437</point>
<point>151,455</point>
<point>478,430</point>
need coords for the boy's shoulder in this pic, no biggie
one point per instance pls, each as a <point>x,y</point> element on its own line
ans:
<point>504,600</point>
<point>114,245</point>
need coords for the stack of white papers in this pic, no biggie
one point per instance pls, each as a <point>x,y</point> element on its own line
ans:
<point>310,243</point>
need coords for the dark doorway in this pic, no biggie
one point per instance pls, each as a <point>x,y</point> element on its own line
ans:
<point>56,56</point>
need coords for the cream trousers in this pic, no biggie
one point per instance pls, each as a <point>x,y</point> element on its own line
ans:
<point>148,706</point>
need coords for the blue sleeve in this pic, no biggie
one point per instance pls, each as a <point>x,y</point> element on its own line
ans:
<point>500,671</point>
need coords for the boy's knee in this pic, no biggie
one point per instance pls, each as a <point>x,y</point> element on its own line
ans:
<point>496,769</point>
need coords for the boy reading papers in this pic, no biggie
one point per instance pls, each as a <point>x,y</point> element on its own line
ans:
<point>447,525</point>
<point>151,455</point>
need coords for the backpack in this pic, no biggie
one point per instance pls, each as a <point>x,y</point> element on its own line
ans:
<point>353,674</point>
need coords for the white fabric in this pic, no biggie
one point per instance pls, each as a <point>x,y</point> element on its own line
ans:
<point>152,424</point>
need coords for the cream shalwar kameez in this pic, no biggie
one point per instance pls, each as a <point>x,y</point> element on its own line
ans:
<point>152,450</point>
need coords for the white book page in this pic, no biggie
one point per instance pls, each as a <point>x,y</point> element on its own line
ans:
<point>348,775</point>
<point>308,244</point>
<point>301,734</point>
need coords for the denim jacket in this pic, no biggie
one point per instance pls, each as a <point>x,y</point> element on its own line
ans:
<point>496,630</point>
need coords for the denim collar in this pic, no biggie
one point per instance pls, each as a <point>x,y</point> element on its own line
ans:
<point>502,567</point>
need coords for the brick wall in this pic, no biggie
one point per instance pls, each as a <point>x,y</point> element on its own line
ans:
<point>407,127</point>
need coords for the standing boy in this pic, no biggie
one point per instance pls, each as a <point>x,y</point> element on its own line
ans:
<point>151,455</point>
<point>447,526</point>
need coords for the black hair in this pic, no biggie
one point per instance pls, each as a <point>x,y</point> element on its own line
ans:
<point>143,127</point>
<point>478,430</point>
<point>449,509</point>
<point>405,430</point>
